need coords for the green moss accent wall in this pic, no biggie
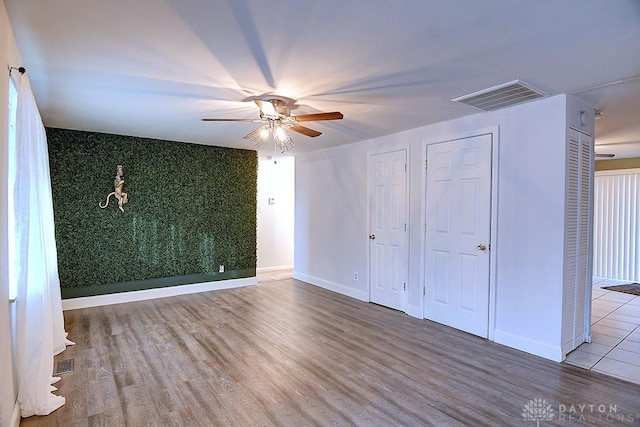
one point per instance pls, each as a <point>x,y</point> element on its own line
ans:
<point>618,164</point>
<point>191,209</point>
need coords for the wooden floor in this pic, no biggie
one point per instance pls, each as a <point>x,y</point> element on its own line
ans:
<point>287,353</point>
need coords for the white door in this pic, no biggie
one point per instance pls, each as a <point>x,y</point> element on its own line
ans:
<point>458,217</point>
<point>388,229</point>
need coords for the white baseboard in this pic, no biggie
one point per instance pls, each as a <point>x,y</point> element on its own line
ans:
<point>415,311</point>
<point>276,268</point>
<point>15,416</point>
<point>609,281</point>
<point>332,286</point>
<point>536,348</point>
<point>123,297</point>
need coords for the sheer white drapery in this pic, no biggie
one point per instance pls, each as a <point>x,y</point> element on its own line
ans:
<point>39,322</point>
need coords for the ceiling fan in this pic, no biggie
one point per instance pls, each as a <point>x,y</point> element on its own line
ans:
<point>598,155</point>
<point>277,119</point>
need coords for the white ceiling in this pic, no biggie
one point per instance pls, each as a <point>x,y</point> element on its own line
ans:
<point>154,68</point>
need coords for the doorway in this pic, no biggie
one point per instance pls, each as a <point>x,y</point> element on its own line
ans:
<point>276,213</point>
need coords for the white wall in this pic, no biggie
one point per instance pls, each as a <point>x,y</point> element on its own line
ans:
<point>8,57</point>
<point>331,234</point>
<point>276,181</point>
<point>331,229</point>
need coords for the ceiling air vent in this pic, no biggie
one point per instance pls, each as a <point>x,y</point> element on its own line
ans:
<point>501,96</point>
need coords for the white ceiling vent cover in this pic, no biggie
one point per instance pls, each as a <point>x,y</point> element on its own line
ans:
<point>501,96</point>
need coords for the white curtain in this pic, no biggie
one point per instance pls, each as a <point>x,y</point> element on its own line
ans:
<point>39,322</point>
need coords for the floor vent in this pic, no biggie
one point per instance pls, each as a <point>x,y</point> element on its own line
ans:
<point>501,96</point>
<point>64,367</point>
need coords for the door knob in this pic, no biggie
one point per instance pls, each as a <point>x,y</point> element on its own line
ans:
<point>372,236</point>
<point>482,247</point>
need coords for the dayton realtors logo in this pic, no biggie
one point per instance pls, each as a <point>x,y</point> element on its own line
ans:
<point>540,410</point>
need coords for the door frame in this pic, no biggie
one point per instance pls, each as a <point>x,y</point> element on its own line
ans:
<point>370,154</point>
<point>494,131</point>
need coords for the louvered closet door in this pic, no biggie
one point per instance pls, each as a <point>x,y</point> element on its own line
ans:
<point>577,265</point>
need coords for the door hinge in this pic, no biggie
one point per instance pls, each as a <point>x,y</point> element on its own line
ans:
<point>424,290</point>
<point>405,167</point>
<point>405,286</point>
<point>405,226</point>
<point>425,164</point>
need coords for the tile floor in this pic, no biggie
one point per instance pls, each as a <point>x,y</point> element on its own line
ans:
<point>615,334</point>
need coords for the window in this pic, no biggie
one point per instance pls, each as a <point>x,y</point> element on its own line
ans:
<point>13,110</point>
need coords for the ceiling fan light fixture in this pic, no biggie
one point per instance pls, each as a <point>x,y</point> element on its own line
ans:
<point>279,133</point>
<point>264,133</point>
<point>282,138</point>
<point>256,136</point>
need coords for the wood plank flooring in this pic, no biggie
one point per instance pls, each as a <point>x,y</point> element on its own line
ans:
<point>285,353</point>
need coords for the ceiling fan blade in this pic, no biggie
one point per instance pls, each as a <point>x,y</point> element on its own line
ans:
<point>228,120</point>
<point>605,155</point>
<point>266,107</point>
<point>259,103</point>
<point>335,115</point>
<point>305,131</point>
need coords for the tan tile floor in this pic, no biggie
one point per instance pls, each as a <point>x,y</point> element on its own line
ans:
<point>615,335</point>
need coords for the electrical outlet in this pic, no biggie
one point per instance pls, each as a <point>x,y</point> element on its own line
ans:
<point>221,268</point>
<point>355,276</point>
